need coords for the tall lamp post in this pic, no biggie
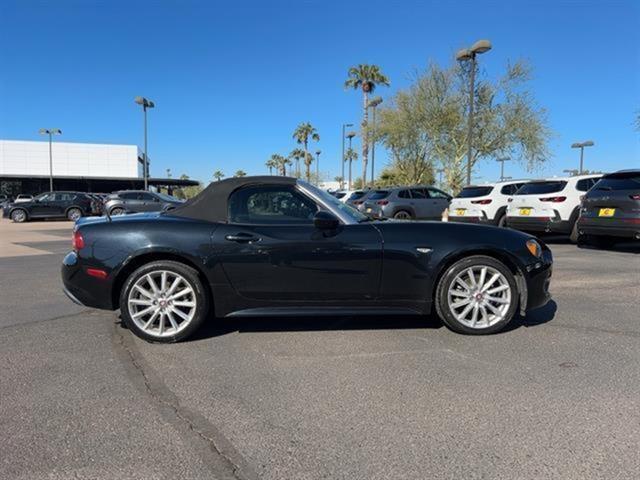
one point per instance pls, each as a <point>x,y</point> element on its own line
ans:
<point>350,136</point>
<point>146,103</point>
<point>469,54</point>
<point>502,160</point>
<point>344,126</point>
<point>318,152</point>
<point>581,146</point>
<point>373,103</point>
<point>51,132</point>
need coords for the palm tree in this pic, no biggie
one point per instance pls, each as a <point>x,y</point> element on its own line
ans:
<point>297,154</point>
<point>240,173</point>
<point>308,160</point>
<point>365,77</point>
<point>340,181</point>
<point>350,156</point>
<point>302,134</point>
<point>280,163</point>
<point>218,175</point>
<point>271,164</point>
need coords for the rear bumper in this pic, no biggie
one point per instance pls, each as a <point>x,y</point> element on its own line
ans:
<point>624,228</point>
<point>476,220</point>
<point>539,224</point>
<point>82,288</point>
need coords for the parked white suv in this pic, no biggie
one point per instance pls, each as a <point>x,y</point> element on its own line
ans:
<point>550,205</point>
<point>486,204</point>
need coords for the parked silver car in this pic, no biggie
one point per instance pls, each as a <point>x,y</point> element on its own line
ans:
<point>419,202</point>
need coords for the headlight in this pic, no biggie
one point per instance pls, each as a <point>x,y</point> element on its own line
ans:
<point>534,248</point>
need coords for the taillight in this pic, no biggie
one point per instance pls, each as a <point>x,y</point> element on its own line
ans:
<point>482,202</point>
<point>77,242</point>
<point>382,202</point>
<point>635,197</point>
<point>553,199</point>
<point>358,202</point>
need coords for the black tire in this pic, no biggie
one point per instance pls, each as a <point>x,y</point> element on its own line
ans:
<point>403,215</point>
<point>442,297</point>
<point>502,222</point>
<point>74,214</point>
<point>19,215</point>
<point>190,275</point>
<point>116,211</point>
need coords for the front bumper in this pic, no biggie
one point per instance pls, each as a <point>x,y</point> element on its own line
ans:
<point>82,288</point>
<point>539,224</point>
<point>538,280</point>
<point>611,227</point>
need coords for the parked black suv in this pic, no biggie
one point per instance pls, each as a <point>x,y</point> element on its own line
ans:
<point>71,205</point>
<point>611,209</point>
<point>134,201</point>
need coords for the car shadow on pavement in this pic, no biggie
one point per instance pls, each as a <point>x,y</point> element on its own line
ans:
<point>623,246</point>
<point>223,326</point>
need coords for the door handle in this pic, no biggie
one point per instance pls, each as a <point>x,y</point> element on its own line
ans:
<point>242,238</point>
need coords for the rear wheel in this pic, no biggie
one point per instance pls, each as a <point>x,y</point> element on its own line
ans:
<point>19,215</point>
<point>116,211</point>
<point>503,221</point>
<point>74,214</point>
<point>403,215</point>
<point>163,302</point>
<point>573,236</point>
<point>477,295</point>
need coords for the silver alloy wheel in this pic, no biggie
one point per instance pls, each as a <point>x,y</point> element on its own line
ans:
<point>479,296</point>
<point>18,216</point>
<point>162,303</point>
<point>117,211</point>
<point>402,215</point>
<point>74,214</point>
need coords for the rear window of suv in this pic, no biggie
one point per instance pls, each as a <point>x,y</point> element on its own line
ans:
<point>356,195</point>
<point>378,195</point>
<point>628,183</point>
<point>470,192</point>
<point>535,188</point>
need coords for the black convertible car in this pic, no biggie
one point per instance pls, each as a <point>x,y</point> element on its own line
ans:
<point>274,246</point>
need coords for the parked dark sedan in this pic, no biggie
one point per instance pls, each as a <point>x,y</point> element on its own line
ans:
<point>611,209</point>
<point>71,205</point>
<point>136,201</point>
<point>273,246</point>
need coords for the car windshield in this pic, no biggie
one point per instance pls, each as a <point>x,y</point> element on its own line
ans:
<point>335,204</point>
<point>534,188</point>
<point>470,192</point>
<point>624,183</point>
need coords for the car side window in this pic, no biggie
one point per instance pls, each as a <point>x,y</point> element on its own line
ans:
<point>508,190</point>
<point>271,205</point>
<point>129,196</point>
<point>434,193</point>
<point>404,194</point>
<point>63,197</point>
<point>146,197</point>
<point>419,193</point>
<point>585,184</point>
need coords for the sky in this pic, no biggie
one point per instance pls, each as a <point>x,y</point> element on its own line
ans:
<point>231,80</point>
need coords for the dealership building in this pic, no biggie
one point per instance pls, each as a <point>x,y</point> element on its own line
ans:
<point>82,167</point>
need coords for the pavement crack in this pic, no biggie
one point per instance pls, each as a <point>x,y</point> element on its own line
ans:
<point>226,462</point>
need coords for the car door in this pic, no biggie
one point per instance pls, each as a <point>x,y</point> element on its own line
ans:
<point>420,203</point>
<point>133,202</point>
<point>439,202</point>
<point>270,250</point>
<point>148,202</point>
<point>43,205</point>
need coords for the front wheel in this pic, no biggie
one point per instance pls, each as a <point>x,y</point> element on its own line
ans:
<point>163,302</point>
<point>477,295</point>
<point>19,215</point>
<point>402,215</point>
<point>116,211</point>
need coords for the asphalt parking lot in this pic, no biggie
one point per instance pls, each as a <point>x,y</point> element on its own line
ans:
<point>556,396</point>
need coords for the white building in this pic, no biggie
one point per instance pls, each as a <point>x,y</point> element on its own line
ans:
<point>31,159</point>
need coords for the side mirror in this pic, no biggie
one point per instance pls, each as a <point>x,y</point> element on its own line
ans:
<point>325,221</point>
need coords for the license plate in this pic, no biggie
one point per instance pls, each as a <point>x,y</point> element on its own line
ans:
<point>460,212</point>
<point>525,212</point>
<point>606,212</point>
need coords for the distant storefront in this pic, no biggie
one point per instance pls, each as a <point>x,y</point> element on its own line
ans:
<point>84,167</point>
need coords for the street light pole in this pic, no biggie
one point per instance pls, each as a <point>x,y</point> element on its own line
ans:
<point>502,160</point>
<point>318,152</point>
<point>466,54</point>
<point>51,132</point>
<point>373,103</point>
<point>350,136</point>
<point>581,145</point>
<point>344,126</point>
<point>146,103</point>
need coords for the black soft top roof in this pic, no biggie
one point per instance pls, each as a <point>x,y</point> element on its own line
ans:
<point>211,204</point>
